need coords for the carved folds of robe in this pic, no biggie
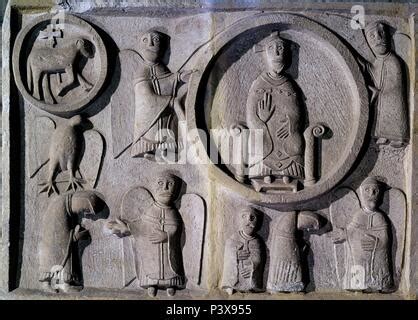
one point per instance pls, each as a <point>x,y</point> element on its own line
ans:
<point>283,144</point>
<point>232,277</point>
<point>285,273</point>
<point>368,269</point>
<point>56,243</point>
<point>155,119</point>
<point>389,98</point>
<point>159,264</point>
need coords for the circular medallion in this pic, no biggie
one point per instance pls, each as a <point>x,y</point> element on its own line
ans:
<point>59,63</point>
<point>312,109</point>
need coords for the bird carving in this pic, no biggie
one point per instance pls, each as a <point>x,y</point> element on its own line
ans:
<point>66,151</point>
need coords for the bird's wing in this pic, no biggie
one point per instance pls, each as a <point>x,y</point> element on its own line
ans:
<point>395,209</point>
<point>92,159</point>
<point>123,101</point>
<point>134,202</point>
<point>193,212</point>
<point>40,137</point>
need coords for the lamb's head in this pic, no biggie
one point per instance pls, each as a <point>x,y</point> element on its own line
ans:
<point>85,47</point>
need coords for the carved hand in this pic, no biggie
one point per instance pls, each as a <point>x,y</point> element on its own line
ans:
<point>118,228</point>
<point>246,272</point>
<point>184,76</point>
<point>243,255</point>
<point>338,235</point>
<point>158,236</point>
<point>80,234</point>
<point>369,244</point>
<point>264,108</point>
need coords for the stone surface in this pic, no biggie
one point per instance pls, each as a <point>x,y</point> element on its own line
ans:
<point>319,92</point>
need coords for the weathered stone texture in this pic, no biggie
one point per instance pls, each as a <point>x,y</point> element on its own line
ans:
<point>98,95</point>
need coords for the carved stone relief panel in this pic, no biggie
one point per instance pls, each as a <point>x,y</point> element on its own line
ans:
<point>200,153</point>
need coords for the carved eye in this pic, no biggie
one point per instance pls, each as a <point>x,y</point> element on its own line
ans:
<point>171,184</point>
<point>145,40</point>
<point>260,91</point>
<point>271,48</point>
<point>372,36</point>
<point>252,218</point>
<point>156,39</point>
<point>160,183</point>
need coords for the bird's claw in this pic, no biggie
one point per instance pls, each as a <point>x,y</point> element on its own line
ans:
<point>49,188</point>
<point>75,183</point>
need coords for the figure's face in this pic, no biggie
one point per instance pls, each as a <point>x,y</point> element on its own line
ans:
<point>165,190</point>
<point>275,55</point>
<point>369,196</point>
<point>249,222</point>
<point>378,40</point>
<point>150,44</point>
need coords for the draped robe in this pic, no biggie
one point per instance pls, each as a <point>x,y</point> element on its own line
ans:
<point>282,155</point>
<point>158,264</point>
<point>368,269</point>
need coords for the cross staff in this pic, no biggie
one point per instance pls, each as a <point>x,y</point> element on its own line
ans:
<point>51,33</point>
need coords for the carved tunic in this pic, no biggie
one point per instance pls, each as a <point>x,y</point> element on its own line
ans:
<point>155,123</point>
<point>283,145</point>
<point>58,224</point>
<point>368,269</point>
<point>159,264</point>
<point>232,277</point>
<point>389,98</point>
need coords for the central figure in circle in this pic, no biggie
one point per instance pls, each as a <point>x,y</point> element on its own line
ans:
<point>274,106</point>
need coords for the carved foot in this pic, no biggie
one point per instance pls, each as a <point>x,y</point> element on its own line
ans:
<point>381,141</point>
<point>171,292</point>
<point>73,183</point>
<point>152,291</point>
<point>286,180</point>
<point>149,156</point>
<point>397,144</point>
<point>229,291</point>
<point>48,187</point>
<point>47,287</point>
<point>268,179</point>
<point>67,288</point>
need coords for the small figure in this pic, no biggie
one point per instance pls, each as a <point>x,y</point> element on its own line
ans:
<point>367,239</point>
<point>285,273</point>
<point>388,90</point>
<point>157,239</point>
<point>245,256</point>
<point>60,233</point>
<point>274,105</point>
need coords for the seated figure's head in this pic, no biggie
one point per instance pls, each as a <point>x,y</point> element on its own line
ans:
<point>86,202</point>
<point>275,53</point>
<point>377,36</point>
<point>151,45</point>
<point>250,221</point>
<point>166,188</point>
<point>370,192</point>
